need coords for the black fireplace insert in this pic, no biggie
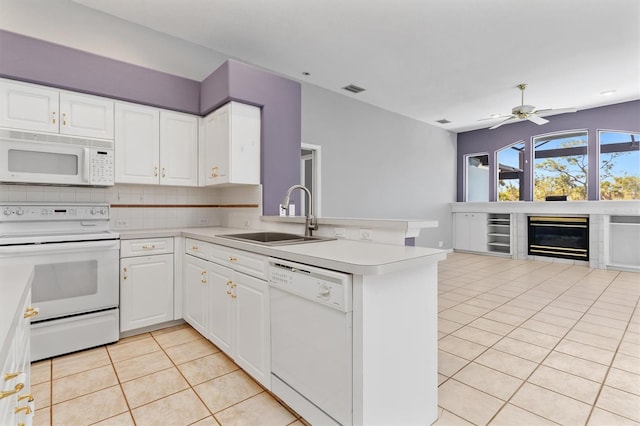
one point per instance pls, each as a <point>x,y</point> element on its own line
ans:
<point>561,237</point>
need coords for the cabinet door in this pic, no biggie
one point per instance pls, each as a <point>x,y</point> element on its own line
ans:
<point>461,231</point>
<point>216,146</point>
<point>195,292</point>
<point>478,232</point>
<point>470,231</point>
<point>245,144</point>
<point>137,144</point>
<point>28,107</point>
<point>178,149</point>
<point>146,291</point>
<point>82,115</point>
<point>252,330</point>
<point>221,299</point>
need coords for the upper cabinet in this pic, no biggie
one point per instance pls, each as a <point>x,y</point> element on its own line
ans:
<point>178,149</point>
<point>37,108</point>
<point>155,146</point>
<point>231,145</point>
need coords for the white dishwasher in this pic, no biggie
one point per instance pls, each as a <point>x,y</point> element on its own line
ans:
<point>311,341</point>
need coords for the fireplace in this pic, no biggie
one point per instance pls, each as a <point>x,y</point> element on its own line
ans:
<point>561,237</point>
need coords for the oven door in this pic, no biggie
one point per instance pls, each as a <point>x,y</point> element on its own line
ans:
<point>70,278</point>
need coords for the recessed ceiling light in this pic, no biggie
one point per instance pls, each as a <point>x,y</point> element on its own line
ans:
<point>443,121</point>
<point>608,92</point>
<point>306,73</point>
<point>494,115</point>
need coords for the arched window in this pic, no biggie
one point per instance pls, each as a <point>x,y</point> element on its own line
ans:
<point>510,164</point>
<point>560,166</point>
<point>619,165</point>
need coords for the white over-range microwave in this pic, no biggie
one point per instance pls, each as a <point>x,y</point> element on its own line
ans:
<point>44,159</point>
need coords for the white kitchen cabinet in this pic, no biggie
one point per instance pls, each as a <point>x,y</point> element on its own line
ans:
<point>38,108</point>
<point>178,149</point>
<point>155,147</point>
<point>17,406</point>
<point>231,145</point>
<point>470,231</point>
<point>195,294</point>
<point>221,331</point>
<point>137,146</point>
<point>146,283</point>
<point>252,326</point>
<point>228,307</point>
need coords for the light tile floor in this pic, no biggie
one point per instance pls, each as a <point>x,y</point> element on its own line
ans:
<point>167,377</point>
<point>520,343</point>
<point>537,343</point>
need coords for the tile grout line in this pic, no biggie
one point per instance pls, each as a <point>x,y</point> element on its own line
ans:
<point>539,363</point>
<point>602,385</point>
<point>552,350</point>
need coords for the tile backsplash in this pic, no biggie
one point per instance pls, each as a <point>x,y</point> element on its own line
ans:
<point>132,205</point>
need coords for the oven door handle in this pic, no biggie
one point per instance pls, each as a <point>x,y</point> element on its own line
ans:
<point>60,248</point>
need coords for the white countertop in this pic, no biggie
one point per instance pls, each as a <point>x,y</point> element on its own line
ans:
<point>13,285</point>
<point>355,257</point>
<point>631,207</point>
<point>411,227</point>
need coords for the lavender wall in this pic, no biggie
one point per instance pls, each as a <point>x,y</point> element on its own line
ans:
<point>37,61</point>
<point>624,116</point>
<point>280,99</point>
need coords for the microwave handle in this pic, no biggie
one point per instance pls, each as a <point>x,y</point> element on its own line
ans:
<point>85,177</point>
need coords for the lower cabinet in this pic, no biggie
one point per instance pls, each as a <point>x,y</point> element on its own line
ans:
<point>470,231</point>
<point>17,405</point>
<point>231,309</point>
<point>146,283</point>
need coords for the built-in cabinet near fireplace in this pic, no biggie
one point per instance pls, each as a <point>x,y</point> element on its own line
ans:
<point>560,237</point>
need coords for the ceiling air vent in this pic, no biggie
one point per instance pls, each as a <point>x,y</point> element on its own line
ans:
<point>353,88</point>
<point>443,121</point>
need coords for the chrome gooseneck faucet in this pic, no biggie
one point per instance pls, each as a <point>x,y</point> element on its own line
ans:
<point>310,224</point>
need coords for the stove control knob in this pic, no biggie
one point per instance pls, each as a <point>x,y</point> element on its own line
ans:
<point>93,211</point>
<point>103,211</point>
<point>19,212</point>
<point>7,211</point>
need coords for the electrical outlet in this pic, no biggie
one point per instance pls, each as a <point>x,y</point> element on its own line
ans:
<point>339,232</point>
<point>204,221</point>
<point>366,234</point>
<point>440,243</point>
<point>122,223</point>
<point>246,224</point>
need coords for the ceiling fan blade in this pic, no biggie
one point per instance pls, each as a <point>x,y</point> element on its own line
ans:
<point>493,118</point>
<point>508,120</point>
<point>538,120</point>
<point>546,112</point>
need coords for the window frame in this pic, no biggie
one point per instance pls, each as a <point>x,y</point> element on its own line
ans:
<point>566,133</point>
<point>497,169</point>
<point>599,149</point>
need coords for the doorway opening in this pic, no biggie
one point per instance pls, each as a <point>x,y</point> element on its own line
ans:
<point>310,176</point>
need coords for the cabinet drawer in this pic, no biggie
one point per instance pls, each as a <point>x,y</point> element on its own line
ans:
<point>198,248</point>
<point>242,261</point>
<point>146,246</point>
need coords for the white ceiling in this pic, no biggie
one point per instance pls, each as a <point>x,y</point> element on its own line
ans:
<point>426,59</point>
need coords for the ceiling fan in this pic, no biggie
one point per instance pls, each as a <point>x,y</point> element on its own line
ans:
<point>529,112</point>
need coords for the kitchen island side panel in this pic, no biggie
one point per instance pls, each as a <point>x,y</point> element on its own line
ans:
<point>395,347</point>
<point>37,61</point>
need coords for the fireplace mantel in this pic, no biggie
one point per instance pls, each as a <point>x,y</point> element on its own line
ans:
<point>611,208</point>
<point>602,241</point>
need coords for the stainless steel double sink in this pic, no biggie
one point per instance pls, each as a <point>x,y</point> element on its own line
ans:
<point>274,238</point>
